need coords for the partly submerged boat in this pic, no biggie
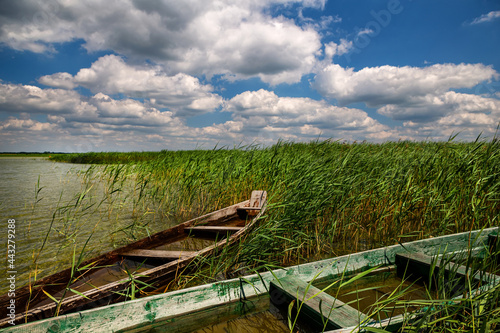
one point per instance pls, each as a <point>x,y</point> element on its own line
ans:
<point>193,308</point>
<point>145,264</point>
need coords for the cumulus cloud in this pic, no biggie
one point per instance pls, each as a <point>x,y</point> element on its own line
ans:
<point>421,98</point>
<point>72,136</point>
<point>491,16</point>
<point>195,37</point>
<point>58,80</point>
<point>181,93</point>
<point>382,85</point>
<point>131,112</point>
<point>32,99</point>
<point>78,123</point>
<point>151,84</point>
<point>66,107</point>
<point>269,116</point>
<point>333,49</point>
<point>443,106</point>
<point>14,124</point>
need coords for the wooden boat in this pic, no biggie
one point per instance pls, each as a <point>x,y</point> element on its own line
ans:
<point>105,279</point>
<point>193,308</point>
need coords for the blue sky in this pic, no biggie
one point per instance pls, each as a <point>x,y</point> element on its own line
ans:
<point>149,75</point>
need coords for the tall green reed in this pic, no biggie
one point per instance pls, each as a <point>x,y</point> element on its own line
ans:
<point>326,197</point>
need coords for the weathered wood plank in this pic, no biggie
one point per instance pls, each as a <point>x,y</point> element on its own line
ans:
<point>421,266</point>
<point>213,229</point>
<point>315,306</point>
<point>392,324</point>
<point>256,201</point>
<point>158,254</point>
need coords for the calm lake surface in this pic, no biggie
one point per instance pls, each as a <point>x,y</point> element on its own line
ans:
<point>57,211</point>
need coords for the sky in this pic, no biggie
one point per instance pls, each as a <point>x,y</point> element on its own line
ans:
<point>137,75</point>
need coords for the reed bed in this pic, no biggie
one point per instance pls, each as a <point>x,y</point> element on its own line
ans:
<point>326,198</point>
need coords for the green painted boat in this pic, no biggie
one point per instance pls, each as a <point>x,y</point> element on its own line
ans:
<point>153,261</point>
<point>192,308</point>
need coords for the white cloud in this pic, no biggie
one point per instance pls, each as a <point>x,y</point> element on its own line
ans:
<point>130,112</point>
<point>58,80</point>
<point>194,37</point>
<point>168,43</point>
<point>333,49</point>
<point>421,98</point>
<point>265,115</point>
<point>14,124</point>
<point>32,99</point>
<point>432,107</point>
<point>365,31</point>
<point>181,93</point>
<point>382,85</point>
<point>67,107</point>
<point>274,49</point>
<point>493,15</point>
<point>70,136</point>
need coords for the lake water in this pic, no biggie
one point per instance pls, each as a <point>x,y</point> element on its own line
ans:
<point>56,211</point>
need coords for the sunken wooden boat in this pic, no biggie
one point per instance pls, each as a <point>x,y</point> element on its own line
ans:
<point>146,264</point>
<point>197,307</point>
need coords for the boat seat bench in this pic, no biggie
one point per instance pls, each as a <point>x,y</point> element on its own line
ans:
<point>418,265</point>
<point>158,254</point>
<point>213,229</point>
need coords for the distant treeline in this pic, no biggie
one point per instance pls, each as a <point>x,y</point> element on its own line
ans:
<point>107,157</point>
<point>30,153</point>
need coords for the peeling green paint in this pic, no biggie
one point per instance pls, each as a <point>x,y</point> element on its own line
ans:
<point>151,313</point>
<point>53,329</point>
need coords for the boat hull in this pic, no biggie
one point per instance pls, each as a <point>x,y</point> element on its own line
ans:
<point>155,311</point>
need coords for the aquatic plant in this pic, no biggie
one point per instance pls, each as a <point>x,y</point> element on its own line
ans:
<point>326,198</point>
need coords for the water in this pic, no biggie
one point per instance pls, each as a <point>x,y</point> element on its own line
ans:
<point>364,294</point>
<point>264,321</point>
<point>45,196</point>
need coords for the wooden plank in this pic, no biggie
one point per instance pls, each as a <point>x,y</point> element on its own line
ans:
<point>213,229</point>
<point>317,307</point>
<point>159,254</point>
<point>257,199</point>
<point>493,240</point>
<point>420,266</point>
<point>392,324</point>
